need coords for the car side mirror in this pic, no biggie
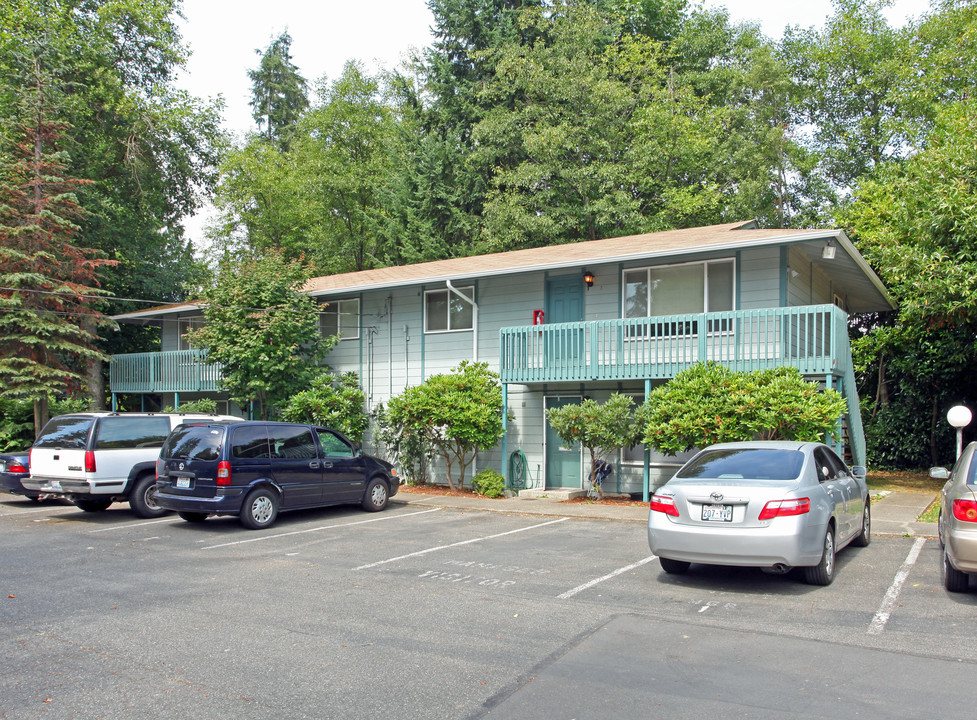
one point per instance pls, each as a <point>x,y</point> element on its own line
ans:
<point>939,473</point>
<point>859,471</point>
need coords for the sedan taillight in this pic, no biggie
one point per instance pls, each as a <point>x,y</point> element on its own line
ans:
<point>16,468</point>
<point>965,510</point>
<point>783,508</point>
<point>664,504</point>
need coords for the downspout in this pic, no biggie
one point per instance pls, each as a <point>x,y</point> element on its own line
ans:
<point>474,305</point>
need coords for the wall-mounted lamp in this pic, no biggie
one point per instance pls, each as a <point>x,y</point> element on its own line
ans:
<point>792,272</point>
<point>588,277</point>
<point>828,251</point>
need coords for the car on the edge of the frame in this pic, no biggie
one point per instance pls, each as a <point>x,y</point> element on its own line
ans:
<point>958,520</point>
<point>14,469</point>
<point>255,469</point>
<point>775,505</point>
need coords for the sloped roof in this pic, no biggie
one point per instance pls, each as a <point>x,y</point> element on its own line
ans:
<point>849,268</point>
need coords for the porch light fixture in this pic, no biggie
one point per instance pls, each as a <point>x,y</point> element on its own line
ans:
<point>828,251</point>
<point>588,277</point>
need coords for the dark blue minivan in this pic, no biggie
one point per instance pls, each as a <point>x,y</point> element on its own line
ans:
<point>256,469</point>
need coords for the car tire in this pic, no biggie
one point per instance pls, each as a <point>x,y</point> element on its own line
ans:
<point>260,509</point>
<point>96,505</point>
<point>674,567</point>
<point>824,572</point>
<point>954,580</point>
<point>142,498</point>
<point>192,517</point>
<point>865,536</point>
<point>376,496</point>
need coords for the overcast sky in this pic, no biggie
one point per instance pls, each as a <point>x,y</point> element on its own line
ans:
<point>223,37</point>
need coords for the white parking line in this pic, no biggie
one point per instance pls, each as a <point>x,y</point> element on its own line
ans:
<point>597,581</point>
<point>463,542</point>
<point>39,510</point>
<point>892,594</point>
<point>317,529</point>
<point>131,525</point>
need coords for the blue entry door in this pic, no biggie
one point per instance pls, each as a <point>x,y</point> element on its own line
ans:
<point>564,304</point>
<point>562,464</point>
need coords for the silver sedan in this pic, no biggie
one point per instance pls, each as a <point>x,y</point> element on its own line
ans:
<point>958,520</point>
<point>774,505</point>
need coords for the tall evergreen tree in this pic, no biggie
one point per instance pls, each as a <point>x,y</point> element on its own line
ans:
<point>278,91</point>
<point>48,283</point>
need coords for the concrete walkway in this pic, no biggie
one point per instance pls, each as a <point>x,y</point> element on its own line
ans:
<point>893,514</point>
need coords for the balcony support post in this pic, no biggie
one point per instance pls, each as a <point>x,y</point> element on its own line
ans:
<point>646,470</point>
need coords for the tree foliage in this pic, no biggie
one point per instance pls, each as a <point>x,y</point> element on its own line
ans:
<point>262,330</point>
<point>49,283</point>
<point>457,414</point>
<point>335,401</point>
<point>278,91</point>
<point>708,403</point>
<point>600,428</point>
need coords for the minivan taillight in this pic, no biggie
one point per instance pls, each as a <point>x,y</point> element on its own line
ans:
<point>159,467</point>
<point>965,510</point>
<point>665,504</point>
<point>89,461</point>
<point>223,473</point>
<point>783,508</point>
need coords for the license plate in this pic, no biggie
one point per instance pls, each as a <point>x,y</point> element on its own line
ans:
<point>3,466</point>
<point>183,482</point>
<point>717,513</point>
<point>55,484</point>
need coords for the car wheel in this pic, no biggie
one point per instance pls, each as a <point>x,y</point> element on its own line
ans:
<point>824,572</point>
<point>865,536</point>
<point>953,579</point>
<point>260,509</point>
<point>674,567</point>
<point>376,495</point>
<point>193,517</point>
<point>142,498</point>
<point>91,505</point>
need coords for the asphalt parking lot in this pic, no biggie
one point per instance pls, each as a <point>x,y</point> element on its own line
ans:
<point>427,612</point>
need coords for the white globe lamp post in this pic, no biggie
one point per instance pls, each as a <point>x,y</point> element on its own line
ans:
<point>959,416</point>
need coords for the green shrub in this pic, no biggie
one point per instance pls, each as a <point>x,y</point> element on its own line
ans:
<point>489,483</point>
<point>205,406</point>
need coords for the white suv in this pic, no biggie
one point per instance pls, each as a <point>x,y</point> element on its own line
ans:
<point>97,458</point>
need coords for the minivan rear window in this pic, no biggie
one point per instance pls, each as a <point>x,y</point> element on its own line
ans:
<point>193,442</point>
<point>751,463</point>
<point>117,433</point>
<point>67,432</point>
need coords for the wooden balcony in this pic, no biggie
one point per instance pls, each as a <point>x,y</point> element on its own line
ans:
<point>162,372</point>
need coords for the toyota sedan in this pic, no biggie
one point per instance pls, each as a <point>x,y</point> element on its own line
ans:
<point>775,505</point>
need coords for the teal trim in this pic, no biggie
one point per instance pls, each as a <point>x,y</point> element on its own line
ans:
<point>505,435</point>
<point>783,276</point>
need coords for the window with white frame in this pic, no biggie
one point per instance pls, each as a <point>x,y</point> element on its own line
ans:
<point>679,289</point>
<point>342,318</point>
<point>444,311</point>
<point>185,325</point>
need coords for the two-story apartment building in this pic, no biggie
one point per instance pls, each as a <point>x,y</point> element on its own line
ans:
<point>566,322</point>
